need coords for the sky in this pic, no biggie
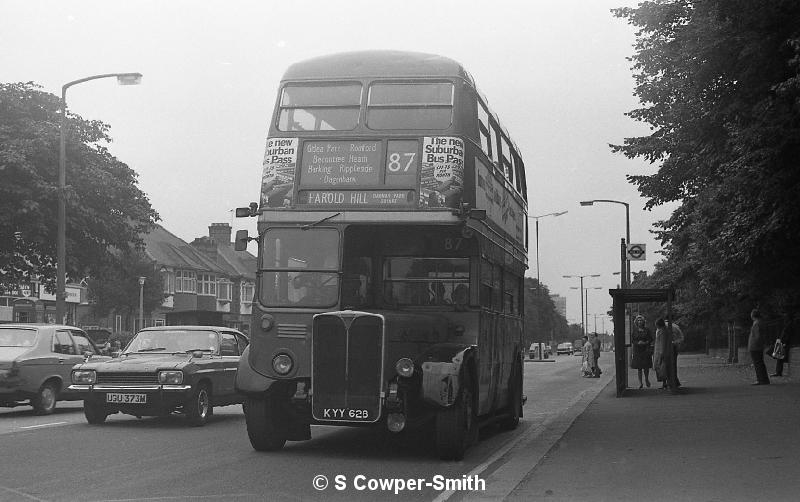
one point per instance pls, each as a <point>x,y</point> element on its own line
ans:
<point>555,73</point>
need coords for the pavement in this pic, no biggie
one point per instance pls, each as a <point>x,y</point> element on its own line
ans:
<point>718,439</point>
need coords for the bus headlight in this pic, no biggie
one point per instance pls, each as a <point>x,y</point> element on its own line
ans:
<point>170,377</point>
<point>84,377</point>
<point>267,322</point>
<point>404,367</point>
<point>282,364</point>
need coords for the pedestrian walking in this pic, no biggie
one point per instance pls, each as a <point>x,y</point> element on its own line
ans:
<point>786,338</point>
<point>588,357</point>
<point>677,344</point>
<point>755,345</point>
<point>595,341</point>
<point>641,349</point>
<point>662,356</point>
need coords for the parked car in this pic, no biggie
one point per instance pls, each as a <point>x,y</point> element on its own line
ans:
<point>578,346</point>
<point>36,361</point>
<point>165,369</point>
<point>533,351</point>
<point>565,348</point>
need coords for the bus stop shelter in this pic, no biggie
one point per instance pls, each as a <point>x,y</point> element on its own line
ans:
<point>622,297</point>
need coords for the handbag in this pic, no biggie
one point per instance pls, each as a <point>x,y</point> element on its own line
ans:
<point>779,352</point>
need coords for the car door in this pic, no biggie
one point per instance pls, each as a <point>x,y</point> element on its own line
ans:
<point>67,356</point>
<point>229,351</point>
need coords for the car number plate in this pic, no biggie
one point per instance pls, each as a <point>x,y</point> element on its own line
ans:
<point>126,398</point>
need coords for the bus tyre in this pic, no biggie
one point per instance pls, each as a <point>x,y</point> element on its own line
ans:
<point>94,412</point>
<point>267,424</point>
<point>511,420</point>
<point>198,407</point>
<point>44,402</point>
<point>456,426</point>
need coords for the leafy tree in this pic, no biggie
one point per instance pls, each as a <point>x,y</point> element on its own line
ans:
<point>719,85</point>
<point>105,209</point>
<point>116,287</point>
<point>542,322</point>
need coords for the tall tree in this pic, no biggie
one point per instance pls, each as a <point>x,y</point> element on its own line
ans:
<point>105,208</point>
<point>116,287</point>
<point>719,84</point>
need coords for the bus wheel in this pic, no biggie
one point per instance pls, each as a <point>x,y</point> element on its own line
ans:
<point>511,421</point>
<point>267,424</point>
<point>456,426</point>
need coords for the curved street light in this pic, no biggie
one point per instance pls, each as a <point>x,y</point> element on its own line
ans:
<point>558,213</point>
<point>626,263</point>
<point>61,265</point>
<point>583,326</point>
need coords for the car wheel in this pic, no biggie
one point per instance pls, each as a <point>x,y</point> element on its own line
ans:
<point>456,426</point>
<point>511,421</point>
<point>198,408</point>
<point>45,400</point>
<point>267,423</point>
<point>94,412</point>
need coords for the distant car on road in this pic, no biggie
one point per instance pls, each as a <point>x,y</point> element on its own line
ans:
<point>577,345</point>
<point>565,348</point>
<point>165,369</point>
<point>533,351</point>
<point>36,361</point>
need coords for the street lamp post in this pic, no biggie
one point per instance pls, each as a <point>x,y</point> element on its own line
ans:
<point>626,272</point>
<point>61,239</point>
<point>559,213</point>
<point>141,302</point>
<point>587,307</point>
<point>583,326</point>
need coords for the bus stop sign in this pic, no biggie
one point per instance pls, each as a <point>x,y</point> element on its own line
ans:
<point>635,252</point>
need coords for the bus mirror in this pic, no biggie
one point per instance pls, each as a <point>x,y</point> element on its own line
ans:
<point>240,244</point>
<point>477,214</point>
<point>244,212</point>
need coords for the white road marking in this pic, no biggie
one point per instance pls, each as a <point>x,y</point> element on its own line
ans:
<point>42,425</point>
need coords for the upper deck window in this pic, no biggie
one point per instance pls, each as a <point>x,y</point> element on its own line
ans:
<point>410,105</point>
<point>319,107</point>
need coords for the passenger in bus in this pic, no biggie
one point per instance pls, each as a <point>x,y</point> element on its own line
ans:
<point>461,296</point>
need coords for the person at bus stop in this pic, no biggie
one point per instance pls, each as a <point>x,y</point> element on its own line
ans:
<point>595,341</point>
<point>641,349</point>
<point>588,357</point>
<point>662,356</point>
<point>677,343</point>
<point>786,336</point>
<point>755,345</point>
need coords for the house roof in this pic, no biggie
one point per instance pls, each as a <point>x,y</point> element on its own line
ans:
<point>166,249</point>
<point>236,263</point>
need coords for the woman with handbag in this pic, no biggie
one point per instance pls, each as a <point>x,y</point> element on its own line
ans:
<point>786,340</point>
<point>641,349</point>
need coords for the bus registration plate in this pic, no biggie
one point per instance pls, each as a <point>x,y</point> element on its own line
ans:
<point>117,398</point>
<point>344,414</point>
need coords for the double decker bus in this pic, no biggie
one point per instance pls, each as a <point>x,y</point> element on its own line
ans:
<point>392,244</point>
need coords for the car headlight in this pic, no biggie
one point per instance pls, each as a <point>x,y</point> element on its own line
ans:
<point>282,364</point>
<point>84,377</point>
<point>404,367</point>
<point>171,377</point>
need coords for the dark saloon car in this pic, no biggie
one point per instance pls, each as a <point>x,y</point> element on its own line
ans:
<point>36,361</point>
<point>166,369</point>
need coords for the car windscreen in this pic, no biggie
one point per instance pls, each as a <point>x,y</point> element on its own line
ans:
<point>17,337</point>
<point>173,341</point>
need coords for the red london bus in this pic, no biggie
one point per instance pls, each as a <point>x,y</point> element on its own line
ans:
<point>392,243</point>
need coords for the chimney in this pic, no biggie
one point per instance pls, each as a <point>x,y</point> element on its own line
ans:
<point>220,233</point>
